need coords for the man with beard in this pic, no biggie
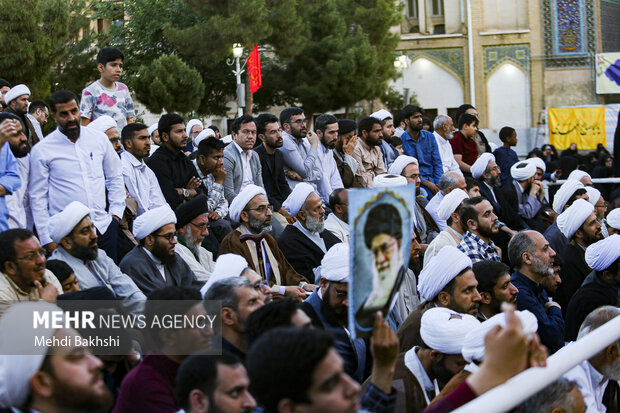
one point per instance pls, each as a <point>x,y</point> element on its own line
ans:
<point>421,144</point>
<point>328,308</point>
<point>301,156</point>
<point>272,165</point>
<point>444,131</point>
<point>154,264</point>
<point>579,225</point>
<point>18,202</point>
<point>387,129</point>
<point>252,211</point>
<point>524,195</point>
<point>326,127</point>
<point>38,112</point>
<point>495,287</point>
<point>532,258</point>
<point>423,370</point>
<point>346,143</point>
<point>176,174</point>
<point>74,232</point>
<point>449,210</point>
<point>24,276</point>
<point>600,207</point>
<point>192,222</point>
<point>446,281</point>
<point>17,103</point>
<point>593,375</point>
<point>75,163</point>
<point>481,223</point>
<point>601,286</point>
<point>338,221</point>
<point>239,299</point>
<point>61,377</point>
<point>306,241</point>
<point>367,153</point>
<point>241,163</point>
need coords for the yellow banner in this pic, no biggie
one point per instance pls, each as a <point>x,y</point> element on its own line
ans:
<point>583,126</point>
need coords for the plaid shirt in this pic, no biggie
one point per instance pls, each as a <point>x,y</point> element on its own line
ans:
<point>478,250</point>
<point>375,401</point>
<point>216,201</point>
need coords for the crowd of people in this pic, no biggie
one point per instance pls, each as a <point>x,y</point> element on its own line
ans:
<point>501,272</point>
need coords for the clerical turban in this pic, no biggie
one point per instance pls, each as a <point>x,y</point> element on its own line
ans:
<point>567,190</point>
<point>18,333</point>
<point>242,199</point>
<point>478,168</point>
<point>593,194</point>
<point>573,218</point>
<point>388,181</point>
<point>152,128</point>
<point>204,134</point>
<point>345,126</point>
<point>15,92</point>
<point>450,203</point>
<point>152,220</point>
<point>226,266</point>
<point>613,219</point>
<point>538,163</point>
<point>440,270</point>
<point>297,197</point>
<point>577,175</point>
<point>522,171</point>
<point>335,263</point>
<point>189,210</point>
<point>444,330</point>
<point>62,223</point>
<point>400,163</point>
<point>381,115</point>
<point>191,124</point>
<point>601,254</point>
<point>473,345</point>
<point>102,123</point>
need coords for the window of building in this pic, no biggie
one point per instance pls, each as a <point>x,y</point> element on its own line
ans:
<point>437,8</point>
<point>412,9</point>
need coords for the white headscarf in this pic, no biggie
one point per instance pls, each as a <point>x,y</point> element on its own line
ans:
<point>204,134</point>
<point>573,218</point>
<point>567,190</point>
<point>61,224</point>
<point>152,128</point>
<point>600,255</point>
<point>613,219</point>
<point>381,115</point>
<point>297,198</point>
<point>335,263</point>
<point>191,124</point>
<point>593,194</point>
<point>153,219</point>
<point>400,163</point>
<point>242,199</point>
<point>103,123</point>
<point>538,163</point>
<point>440,270</point>
<point>444,330</point>
<point>388,181</point>
<point>450,203</point>
<point>522,171</point>
<point>226,266</point>
<point>478,168</point>
<point>15,92</point>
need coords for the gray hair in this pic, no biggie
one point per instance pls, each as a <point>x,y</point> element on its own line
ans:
<point>519,244</point>
<point>224,291</point>
<point>597,318</point>
<point>556,395</point>
<point>440,120</point>
<point>449,180</point>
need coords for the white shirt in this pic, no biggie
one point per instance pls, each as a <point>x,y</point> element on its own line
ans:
<point>337,227</point>
<point>446,155</point>
<point>18,203</point>
<point>62,171</point>
<point>331,179</point>
<point>141,183</point>
<point>247,170</point>
<point>591,383</point>
<point>432,207</point>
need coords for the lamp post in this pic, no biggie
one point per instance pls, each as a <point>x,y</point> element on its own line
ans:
<point>401,63</point>
<point>238,71</point>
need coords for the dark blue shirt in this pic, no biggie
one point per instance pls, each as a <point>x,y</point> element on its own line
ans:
<point>505,158</point>
<point>426,151</point>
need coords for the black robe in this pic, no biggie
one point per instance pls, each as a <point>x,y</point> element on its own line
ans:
<point>574,272</point>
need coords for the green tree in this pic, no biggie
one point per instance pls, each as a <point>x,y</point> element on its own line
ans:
<point>169,84</point>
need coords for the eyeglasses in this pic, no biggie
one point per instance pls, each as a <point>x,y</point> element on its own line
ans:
<point>201,227</point>
<point>170,237</point>
<point>33,255</point>
<point>261,209</point>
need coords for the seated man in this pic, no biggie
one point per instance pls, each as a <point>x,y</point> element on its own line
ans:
<point>73,230</point>
<point>481,223</point>
<point>564,198</point>
<point>64,274</point>
<point>251,210</point>
<point>192,221</point>
<point>24,276</point>
<point>449,210</point>
<point>239,299</point>
<point>447,182</point>
<point>346,143</point>
<point>306,241</point>
<point>280,313</point>
<point>446,281</point>
<point>154,264</point>
<point>494,286</point>
<point>338,221</point>
<point>206,383</point>
<point>326,127</point>
<point>525,194</point>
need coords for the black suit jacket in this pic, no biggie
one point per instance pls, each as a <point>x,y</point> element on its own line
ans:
<point>301,252</point>
<point>273,179</point>
<point>574,272</point>
<point>504,211</point>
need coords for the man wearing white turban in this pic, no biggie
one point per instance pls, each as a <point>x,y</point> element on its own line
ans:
<point>448,182</point>
<point>579,225</point>
<point>58,378</point>
<point>75,233</point>
<point>253,213</point>
<point>446,281</point>
<point>423,370</point>
<point>328,308</point>
<point>17,103</point>
<point>154,264</point>
<point>306,241</point>
<point>448,211</point>
<point>564,198</point>
<point>600,287</point>
<point>193,128</point>
<point>600,207</point>
<point>613,222</point>
<point>108,126</point>
<point>525,195</point>
<point>155,140</point>
<point>581,176</point>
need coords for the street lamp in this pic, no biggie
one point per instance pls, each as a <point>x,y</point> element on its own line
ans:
<point>401,63</point>
<point>237,51</point>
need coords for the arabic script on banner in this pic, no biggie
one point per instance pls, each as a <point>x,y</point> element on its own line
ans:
<point>584,126</point>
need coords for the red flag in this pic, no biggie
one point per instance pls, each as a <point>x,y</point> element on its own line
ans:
<point>254,72</point>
